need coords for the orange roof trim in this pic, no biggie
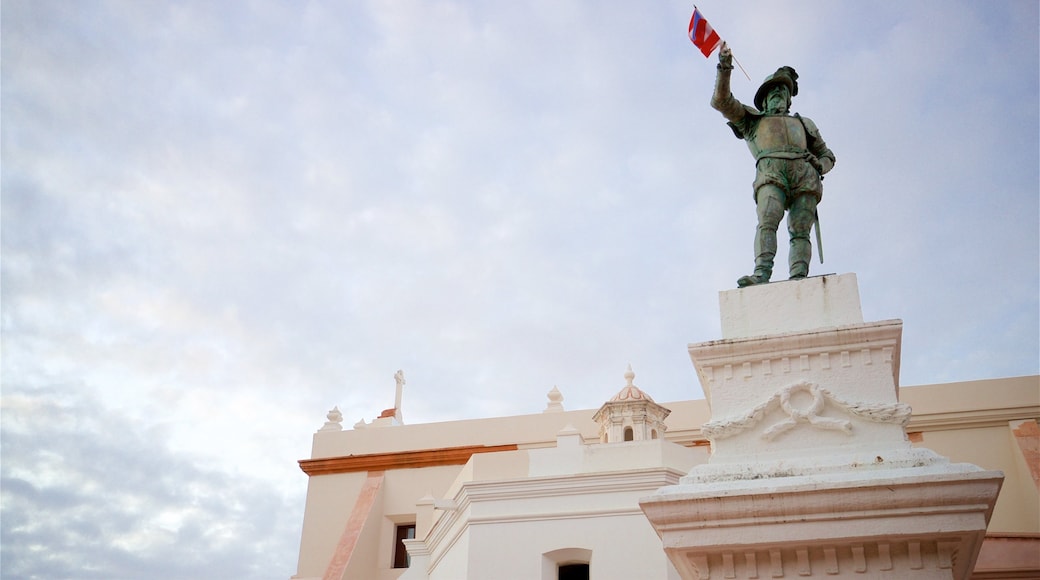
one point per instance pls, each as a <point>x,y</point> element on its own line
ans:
<point>398,460</point>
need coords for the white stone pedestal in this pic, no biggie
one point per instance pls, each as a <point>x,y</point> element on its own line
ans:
<point>811,473</point>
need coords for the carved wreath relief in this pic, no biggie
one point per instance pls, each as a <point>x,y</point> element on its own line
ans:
<point>897,413</point>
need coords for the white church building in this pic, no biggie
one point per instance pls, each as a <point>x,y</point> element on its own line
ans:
<point>807,459</point>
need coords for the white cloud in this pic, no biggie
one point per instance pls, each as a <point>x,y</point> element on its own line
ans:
<point>87,495</point>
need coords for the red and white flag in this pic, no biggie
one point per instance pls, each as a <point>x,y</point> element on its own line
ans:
<point>702,34</point>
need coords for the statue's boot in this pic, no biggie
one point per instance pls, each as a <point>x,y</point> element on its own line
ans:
<point>800,255</point>
<point>745,281</point>
<point>763,270</point>
<point>765,251</point>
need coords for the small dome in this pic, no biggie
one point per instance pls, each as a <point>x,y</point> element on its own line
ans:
<point>630,392</point>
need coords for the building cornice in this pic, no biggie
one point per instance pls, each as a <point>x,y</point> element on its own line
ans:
<point>972,419</point>
<point>398,459</point>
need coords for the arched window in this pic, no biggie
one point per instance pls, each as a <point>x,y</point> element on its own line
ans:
<point>628,434</point>
<point>653,433</point>
<point>566,564</point>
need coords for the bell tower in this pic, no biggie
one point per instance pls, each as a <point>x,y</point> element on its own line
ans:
<point>630,415</point>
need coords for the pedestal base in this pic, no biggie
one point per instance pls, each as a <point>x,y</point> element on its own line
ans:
<point>811,473</point>
<point>916,523</point>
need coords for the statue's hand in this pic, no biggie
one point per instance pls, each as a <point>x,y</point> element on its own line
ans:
<point>725,56</point>
<point>822,164</point>
<point>816,163</point>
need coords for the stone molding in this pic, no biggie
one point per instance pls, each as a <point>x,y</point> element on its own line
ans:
<point>893,559</point>
<point>901,523</point>
<point>768,357</point>
<point>974,419</point>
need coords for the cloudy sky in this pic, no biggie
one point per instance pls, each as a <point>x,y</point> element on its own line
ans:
<point>221,219</point>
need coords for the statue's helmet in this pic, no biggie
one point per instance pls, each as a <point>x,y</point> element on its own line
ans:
<point>784,75</point>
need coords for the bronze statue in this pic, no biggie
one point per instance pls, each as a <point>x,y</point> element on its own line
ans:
<point>790,157</point>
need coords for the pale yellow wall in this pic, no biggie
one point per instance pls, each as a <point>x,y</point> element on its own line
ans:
<point>403,487</point>
<point>968,422</point>
<point>968,397</point>
<point>992,448</point>
<point>330,499</point>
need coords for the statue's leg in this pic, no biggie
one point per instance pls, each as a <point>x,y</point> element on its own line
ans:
<point>800,218</point>
<point>770,210</point>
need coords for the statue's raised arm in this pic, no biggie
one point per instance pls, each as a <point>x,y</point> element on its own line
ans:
<point>723,100</point>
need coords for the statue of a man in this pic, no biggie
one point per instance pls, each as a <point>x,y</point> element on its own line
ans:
<point>790,157</point>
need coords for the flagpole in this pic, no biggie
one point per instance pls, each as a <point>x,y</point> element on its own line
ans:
<point>741,68</point>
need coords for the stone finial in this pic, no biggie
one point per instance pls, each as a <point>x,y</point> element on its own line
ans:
<point>630,391</point>
<point>335,420</point>
<point>555,404</point>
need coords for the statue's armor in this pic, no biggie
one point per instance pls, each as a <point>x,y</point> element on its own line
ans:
<point>778,136</point>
